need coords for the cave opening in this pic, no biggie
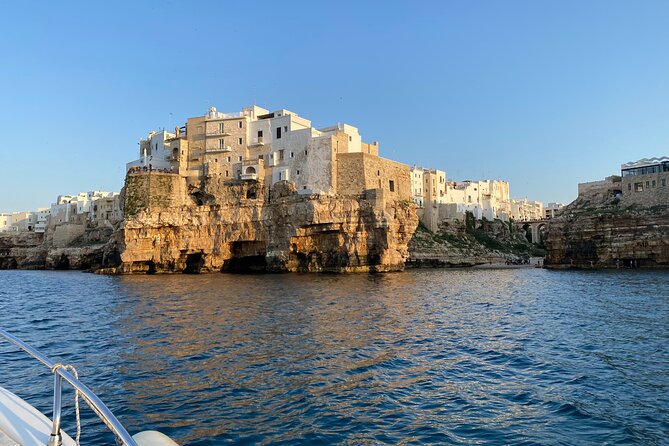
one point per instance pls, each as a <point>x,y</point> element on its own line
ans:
<point>248,257</point>
<point>151,267</point>
<point>63,263</point>
<point>194,263</point>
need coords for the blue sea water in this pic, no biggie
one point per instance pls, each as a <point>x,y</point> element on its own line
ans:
<point>523,356</point>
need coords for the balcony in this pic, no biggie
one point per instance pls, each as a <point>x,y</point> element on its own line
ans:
<point>259,141</point>
<point>252,169</point>
<point>225,149</point>
<point>218,132</point>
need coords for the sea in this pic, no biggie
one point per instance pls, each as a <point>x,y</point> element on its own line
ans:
<point>435,356</point>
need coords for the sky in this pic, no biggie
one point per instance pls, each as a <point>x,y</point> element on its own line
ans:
<point>542,94</point>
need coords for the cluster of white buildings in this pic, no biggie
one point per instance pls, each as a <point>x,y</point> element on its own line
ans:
<point>440,199</point>
<point>82,208</point>
<point>268,147</point>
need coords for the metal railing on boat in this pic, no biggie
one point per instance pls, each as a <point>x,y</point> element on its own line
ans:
<point>60,374</point>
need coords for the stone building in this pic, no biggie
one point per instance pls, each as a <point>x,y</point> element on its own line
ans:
<point>643,183</point>
<point>268,147</point>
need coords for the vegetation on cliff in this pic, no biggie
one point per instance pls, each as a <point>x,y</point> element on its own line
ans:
<point>470,242</point>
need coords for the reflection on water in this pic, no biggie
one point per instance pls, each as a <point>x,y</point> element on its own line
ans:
<point>438,356</point>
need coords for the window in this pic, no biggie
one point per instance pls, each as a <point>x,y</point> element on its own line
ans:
<point>240,158</point>
<point>350,139</point>
<point>281,155</point>
<point>278,133</point>
<point>292,154</point>
<point>305,152</point>
<point>653,183</point>
<point>391,186</point>
<point>215,160</point>
<point>629,186</point>
<point>227,173</point>
<point>241,141</point>
<point>221,143</point>
<point>260,157</point>
<point>647,184</point>
<point>298,172</point>
<point>664,182</point>
<point>638,187</point>
<point>285,129</point>
<point>259,133</point>
<point>240,124</point>
<point>378,173</point>
<point>221,127</point>
<point>229,159</point>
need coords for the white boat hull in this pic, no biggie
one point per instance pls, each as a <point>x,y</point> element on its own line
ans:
<point>23,425</point>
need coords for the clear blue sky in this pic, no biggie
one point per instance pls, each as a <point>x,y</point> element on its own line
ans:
<point>542,94</point>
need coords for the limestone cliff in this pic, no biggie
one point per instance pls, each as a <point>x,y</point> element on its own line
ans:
<point>598,230</point>
<point>469,243</point>
<point>63,247</point>
<point>220,225</point>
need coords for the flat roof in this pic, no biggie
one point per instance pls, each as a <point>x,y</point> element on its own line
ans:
<point>645,162</point>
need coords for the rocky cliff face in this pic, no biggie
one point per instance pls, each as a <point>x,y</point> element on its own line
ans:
<point>469,243</point>
<point>598,231</point>
<point>219,226</point>
<point>53,250</point>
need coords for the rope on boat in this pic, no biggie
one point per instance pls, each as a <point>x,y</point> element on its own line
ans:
<point>76,394</point>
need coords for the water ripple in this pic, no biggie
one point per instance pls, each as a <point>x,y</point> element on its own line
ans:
<point>442,357</point>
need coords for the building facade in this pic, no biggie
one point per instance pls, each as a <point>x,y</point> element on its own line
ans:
<point>268,147</point>
<point>552,210</point>
<point>526,210</point>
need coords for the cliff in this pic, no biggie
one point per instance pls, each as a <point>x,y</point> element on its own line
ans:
<point>599,230</point>
<point>215,225</point>
<point>469,243</point>
<point>63,247</point>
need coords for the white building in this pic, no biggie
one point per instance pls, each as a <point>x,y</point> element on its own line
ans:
<point>6,222</point>
<point>42,219</point>
<point>74,208</point>
<point>254,144</point>
<point>526,210</point>
<point>552,210</point>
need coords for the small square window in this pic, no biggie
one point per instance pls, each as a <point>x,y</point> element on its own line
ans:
<point>240,158</point>
<point>292,154</point>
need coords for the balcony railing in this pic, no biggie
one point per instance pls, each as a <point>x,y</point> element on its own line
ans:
<point>259,141</point>
<point>60,375</point>
<point>218,132</point>
<point>249,176</point>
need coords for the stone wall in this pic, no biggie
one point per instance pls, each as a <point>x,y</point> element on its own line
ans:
<point>358,172</point>
<point>646,190</point>
<point>148,190</point>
